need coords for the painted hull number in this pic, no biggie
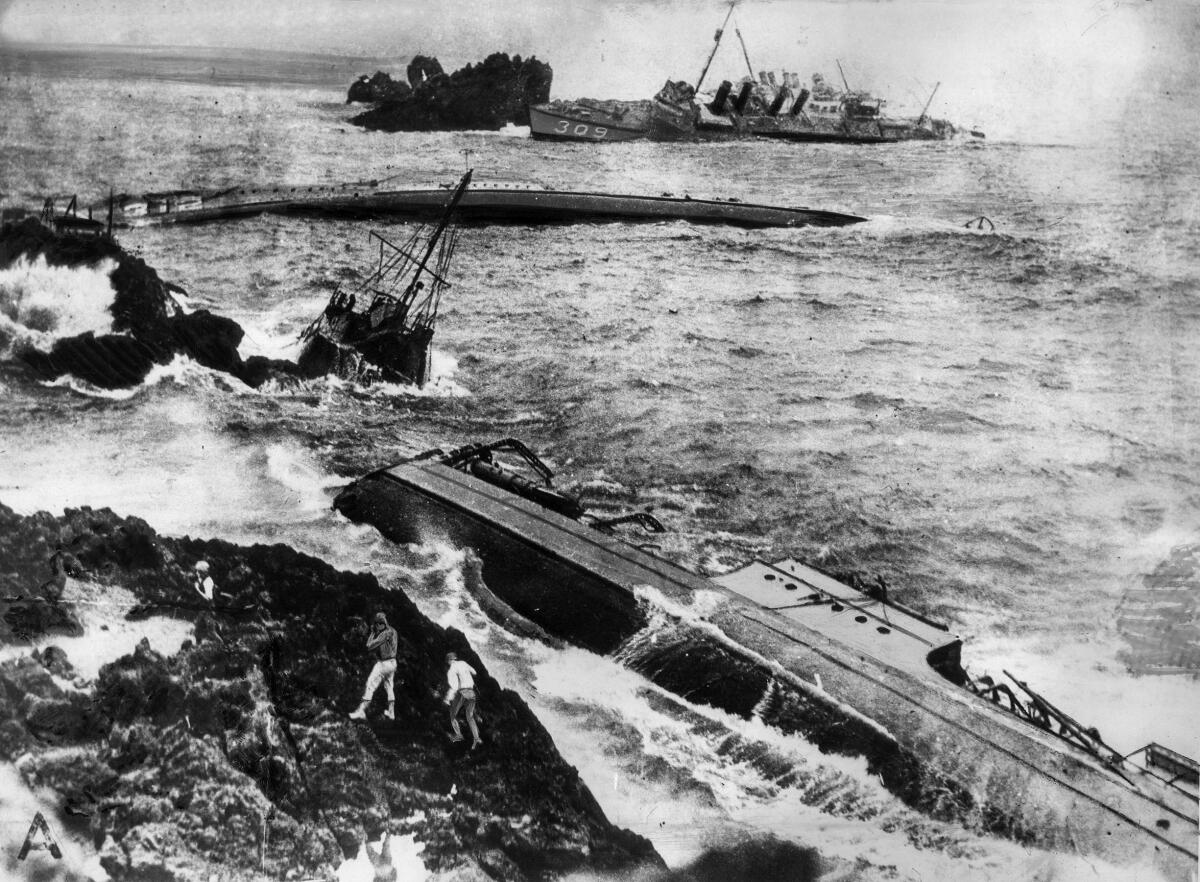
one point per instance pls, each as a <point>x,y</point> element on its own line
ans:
<point>580,130</point>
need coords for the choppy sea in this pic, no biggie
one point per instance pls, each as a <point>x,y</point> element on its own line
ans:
<point>1004,424</point>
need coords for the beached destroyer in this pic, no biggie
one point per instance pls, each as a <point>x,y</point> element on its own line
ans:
<point>758,106</point>
<point>852,670</point>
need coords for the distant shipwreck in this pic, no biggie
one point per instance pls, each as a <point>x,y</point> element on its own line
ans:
<point>756,106</point>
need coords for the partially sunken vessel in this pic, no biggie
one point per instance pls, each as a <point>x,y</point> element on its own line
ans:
<point>383,329</point>
<point>843,664</point>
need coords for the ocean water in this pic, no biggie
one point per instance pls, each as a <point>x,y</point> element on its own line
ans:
<point>1006,425</point>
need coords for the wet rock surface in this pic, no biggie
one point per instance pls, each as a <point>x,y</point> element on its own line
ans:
<point>148,328</point>
<point>488,95</point>
<point>236,755</point>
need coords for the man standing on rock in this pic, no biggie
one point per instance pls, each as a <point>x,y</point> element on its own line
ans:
<point>461,692</point>
<point>203,582</point>
<point>382,640</point>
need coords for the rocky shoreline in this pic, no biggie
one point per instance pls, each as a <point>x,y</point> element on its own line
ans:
<point>148,328</point>
<point>235,756</point>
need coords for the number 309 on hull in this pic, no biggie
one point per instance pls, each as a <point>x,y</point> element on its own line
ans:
<point>548,126</point>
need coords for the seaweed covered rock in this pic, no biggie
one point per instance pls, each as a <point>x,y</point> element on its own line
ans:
<point>148,326</point>
<point>488,95</point>
<point>236,756</point>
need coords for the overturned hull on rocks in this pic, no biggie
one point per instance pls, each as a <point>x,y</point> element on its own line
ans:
<point>852,671</point>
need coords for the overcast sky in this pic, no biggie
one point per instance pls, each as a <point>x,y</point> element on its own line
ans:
<point>999,61</point>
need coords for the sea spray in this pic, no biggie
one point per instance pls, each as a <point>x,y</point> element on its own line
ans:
<point>40,304</point>
<point>760,777</point>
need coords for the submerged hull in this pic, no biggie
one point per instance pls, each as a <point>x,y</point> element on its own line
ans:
<point>738,647</point>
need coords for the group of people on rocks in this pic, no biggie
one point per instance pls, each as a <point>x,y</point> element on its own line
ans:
<point>460,679</point>
<point>383,642</point>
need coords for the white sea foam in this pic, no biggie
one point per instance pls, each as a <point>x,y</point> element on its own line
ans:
<point>1089,682</point>
<point>704,604</point>
<point>180,370</point>
<point>107,635</point>
<point>47,302</point>
<point>401,853</point>
<point>853,818</point>
<point>886,225</point>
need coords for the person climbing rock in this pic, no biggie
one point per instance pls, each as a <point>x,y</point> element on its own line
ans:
<point>54,587</point>
<point>460,694</point>
<point>203,581</point>
<point>382,640</point>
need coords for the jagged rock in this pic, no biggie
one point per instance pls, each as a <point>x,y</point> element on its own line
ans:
<point>236,755</point>
<point>422,69</point>
<point>148,326</point>
<point>487,95</point>
<point>379,87</point>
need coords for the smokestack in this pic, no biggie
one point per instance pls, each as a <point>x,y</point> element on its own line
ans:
<point>798,104</point>
<point>718,102</point>
<point>771,79</point>
<point>739,103</point>
<point>777,104</point>
<point>762,77</point>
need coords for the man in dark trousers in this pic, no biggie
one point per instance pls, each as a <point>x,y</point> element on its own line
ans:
<point>382,640</point>
<point>460,694</point>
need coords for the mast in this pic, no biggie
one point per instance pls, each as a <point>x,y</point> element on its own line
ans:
<point>716,43</point>
<point>441,227</point>
<point>921,118</point>
<point>745,54</point>
<point>843,73</point>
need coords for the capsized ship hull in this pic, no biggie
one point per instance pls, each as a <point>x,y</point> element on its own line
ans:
<point>484,203</point>
<point>862,684</point>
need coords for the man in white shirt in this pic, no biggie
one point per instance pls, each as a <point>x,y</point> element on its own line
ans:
<point>461,693</point>
<point>203,581</point>
<point>383,641</point>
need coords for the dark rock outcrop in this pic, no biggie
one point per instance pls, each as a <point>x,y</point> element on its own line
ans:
<point>376,88</point>
<point>488,95</point>
<point>148,326</point>
<point>235,756</point>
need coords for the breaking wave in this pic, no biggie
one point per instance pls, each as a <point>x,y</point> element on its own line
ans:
<point>40,303</point>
